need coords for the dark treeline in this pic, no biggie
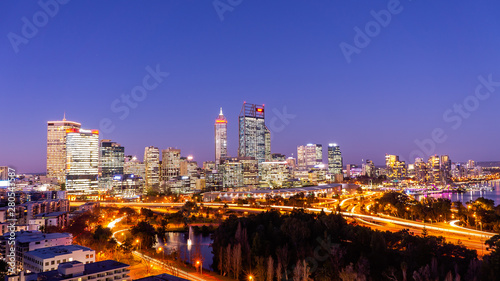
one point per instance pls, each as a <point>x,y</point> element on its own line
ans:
<point>303,246</point>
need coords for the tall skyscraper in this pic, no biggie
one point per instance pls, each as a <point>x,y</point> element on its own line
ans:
<point>152,166</point>
<point>220,137</point>
<point>82,160</point>
<point>335,161</point>
<point>396,170</point>
<point>56,147</point>
<point>111,162</point>
<point>171,163</point>
<point>254,136</point>
<point>309,155</point>
<point>445,169</point>
<point>434,164</point>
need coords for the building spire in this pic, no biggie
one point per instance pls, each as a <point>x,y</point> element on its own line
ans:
<point>221,111</point>
<point>64,117</point>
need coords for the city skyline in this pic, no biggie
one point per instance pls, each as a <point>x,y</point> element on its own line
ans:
<point>380,161</point>
<point>249,140</point>
<point>410,80</point>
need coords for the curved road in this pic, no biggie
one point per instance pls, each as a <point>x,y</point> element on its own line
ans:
<point>169,268</point>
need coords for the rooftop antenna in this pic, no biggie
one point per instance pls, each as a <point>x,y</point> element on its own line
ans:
<point>64,117</point>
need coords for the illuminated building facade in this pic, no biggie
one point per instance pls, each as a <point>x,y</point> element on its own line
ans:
<point>335,161</point>
<point>209,165</point>
<point>445,169</point>
<point>368,168</point>
<point>133,166</point>
<point>171,163</point>
<point>309,155</point>
<point>254,136</point>
<point>56,147</point>
<point>292,163</point>
<point>250,170</point>
<point>152,166</point>
<point>232,173</point>
<point>277,157</point>
<point>274,174</point>
<point>7,173</point>
<point>396,170</point>
<point>82,160</point>
<point>220,137</point>
<point>111,163</point>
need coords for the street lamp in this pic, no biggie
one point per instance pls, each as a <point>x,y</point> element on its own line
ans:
<point>250,277</point>
<point>200,264</point>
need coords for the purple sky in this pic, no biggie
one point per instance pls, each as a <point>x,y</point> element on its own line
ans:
<point>285,54</point>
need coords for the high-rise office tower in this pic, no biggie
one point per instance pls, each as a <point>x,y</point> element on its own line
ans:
<point>171,163</point>
<point>291,163</point>
<point>445,169</point>
<point>220,137</point>
<point>250,170</point>
<point>368,168</point>
<point>434,164</point>
<point>301,156</point>
<point>111,162</point>
<point>231,170</point>
<point>134,167</point>
<point>56,147</point>
<point>396,170</point>
<point>188,167</point>
<point>152,166</point>
<point>82,160</point>
<point>420,170</point>
<point>254,136</point>
<point>310,155</point>
<point>335,161</point>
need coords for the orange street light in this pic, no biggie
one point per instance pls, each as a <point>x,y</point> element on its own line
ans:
<point>201,267</point>
<point>250,277</point>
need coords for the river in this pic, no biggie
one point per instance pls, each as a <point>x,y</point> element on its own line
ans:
<point>471,195</point>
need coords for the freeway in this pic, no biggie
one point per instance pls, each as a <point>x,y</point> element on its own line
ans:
<point>451,238</point>
<point>377,218</point>
<point>471,238</point>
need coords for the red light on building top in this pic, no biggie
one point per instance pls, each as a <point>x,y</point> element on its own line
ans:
<point>72,130</point>
<point>220,121</point>
<point>95,132</point>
